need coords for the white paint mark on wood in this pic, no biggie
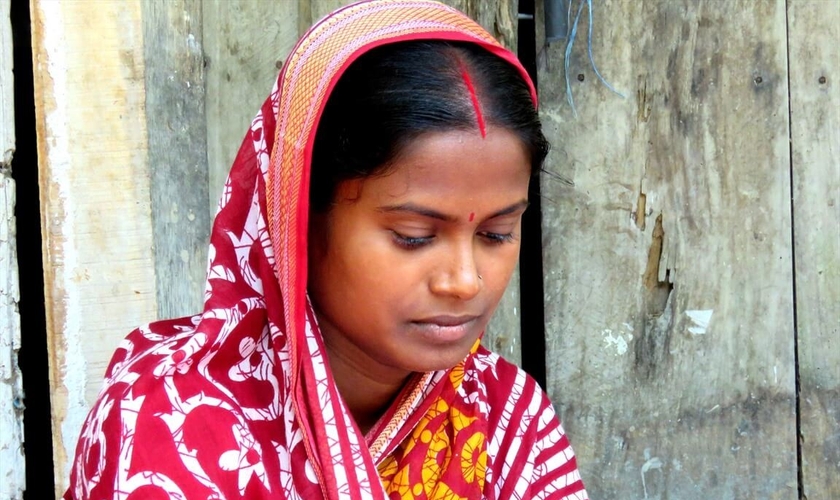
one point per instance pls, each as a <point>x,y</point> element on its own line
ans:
<point>652,463</point>
<point>618,342</point>
<point>12,464</point>
<point>700,320</point>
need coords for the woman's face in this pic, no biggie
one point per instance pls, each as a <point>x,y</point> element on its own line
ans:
<point>406,268</point>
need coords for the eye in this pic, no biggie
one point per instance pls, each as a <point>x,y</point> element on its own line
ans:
<point>411,242</point>
<point>497,238</point>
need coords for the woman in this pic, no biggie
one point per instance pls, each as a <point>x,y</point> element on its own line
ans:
<point>366,233</point>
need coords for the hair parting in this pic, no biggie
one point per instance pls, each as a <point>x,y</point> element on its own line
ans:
<point>473,97</point>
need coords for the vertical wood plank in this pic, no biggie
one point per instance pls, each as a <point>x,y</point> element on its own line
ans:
<point>813,36</point>
<point>12,465</point>
<point>666,224</point>
<point>177,154</point>
<point>95,213</point>
<point>246,42</point>
<point>7,88</point>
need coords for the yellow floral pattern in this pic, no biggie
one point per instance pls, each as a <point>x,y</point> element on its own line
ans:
<point>444,457</point>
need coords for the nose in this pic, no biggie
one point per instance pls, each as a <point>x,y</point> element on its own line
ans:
<point>457,276</point>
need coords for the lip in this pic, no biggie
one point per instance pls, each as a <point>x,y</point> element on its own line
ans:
<point>445,320</point>
<point>445,328</point>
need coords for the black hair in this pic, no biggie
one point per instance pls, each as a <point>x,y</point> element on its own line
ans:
<point>397,92</point>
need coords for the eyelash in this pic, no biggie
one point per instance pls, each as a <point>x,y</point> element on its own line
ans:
<point>413,243</point>
<point>498,239</point>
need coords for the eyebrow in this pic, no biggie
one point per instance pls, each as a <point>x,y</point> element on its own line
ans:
<point>434,214</point>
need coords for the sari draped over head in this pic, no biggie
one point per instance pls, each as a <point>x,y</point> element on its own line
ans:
<point>239,401</point>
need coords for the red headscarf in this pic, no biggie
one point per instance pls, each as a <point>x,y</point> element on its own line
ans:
<point>239,401</point>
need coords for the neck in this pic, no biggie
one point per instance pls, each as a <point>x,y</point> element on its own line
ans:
<point>367,387</point>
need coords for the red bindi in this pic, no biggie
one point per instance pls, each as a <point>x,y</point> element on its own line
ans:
<point>472,216</point>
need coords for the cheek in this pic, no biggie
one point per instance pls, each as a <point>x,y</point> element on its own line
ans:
<point>499,266</point>
<point>367,264</point>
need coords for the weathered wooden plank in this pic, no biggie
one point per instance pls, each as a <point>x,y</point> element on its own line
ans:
<point>666,223</point>
<point>177,155</point>
<point>94,184</point>
<point>246,42</point>
<point>813,36</point>
<point>12,464</point>
<point>7,89</point>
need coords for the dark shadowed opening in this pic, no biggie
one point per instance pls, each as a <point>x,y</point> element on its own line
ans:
<point>33,359</point>
<point>530,258</point>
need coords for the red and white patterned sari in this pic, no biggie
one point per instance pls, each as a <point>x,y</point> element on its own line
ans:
<point>239,401</point>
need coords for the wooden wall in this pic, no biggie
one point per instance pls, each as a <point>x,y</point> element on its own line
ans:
<point>814,51</point>
<point>141,106</point>
<point>12,468</point>
<point>691,230</point>
<point>669,241</point>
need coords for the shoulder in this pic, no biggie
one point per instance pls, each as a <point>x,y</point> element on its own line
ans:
<point>532,453</point>
<point>507,387</point>
<point>150,420</point>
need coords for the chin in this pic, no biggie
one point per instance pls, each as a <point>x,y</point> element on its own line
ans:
<point>436,358</point>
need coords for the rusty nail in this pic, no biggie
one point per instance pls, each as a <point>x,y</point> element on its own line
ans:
<point>581,77</point>
<point>758,80</point>
<point>822,79</point>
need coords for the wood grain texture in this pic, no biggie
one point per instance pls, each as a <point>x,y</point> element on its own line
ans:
<point>12,462</point>
<point>813,36</point>
<point>246,42</point>
<point>7,88</point>
<point>95,197</point>
<point>177,154</point>
<point>668,254</point>
<point>12,465</point>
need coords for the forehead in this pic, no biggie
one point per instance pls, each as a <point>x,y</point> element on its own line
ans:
<point>453,167</point>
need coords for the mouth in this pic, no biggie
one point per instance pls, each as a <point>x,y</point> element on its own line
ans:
<point>446,328</point>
